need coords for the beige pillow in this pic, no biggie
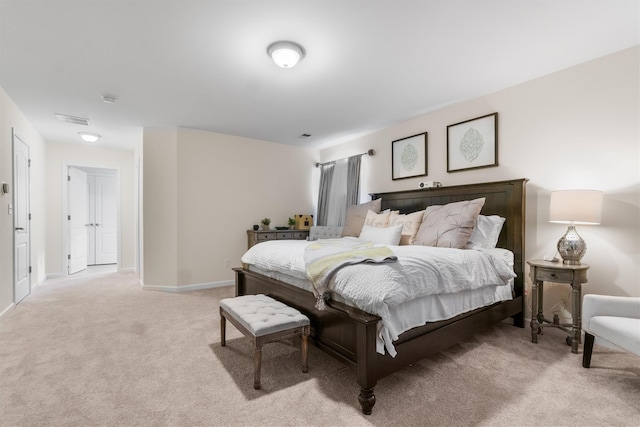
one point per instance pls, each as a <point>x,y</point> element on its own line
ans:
<point>410,225</point>
<point>449,226</point>
<point>378,220</point>
<point>356,215</point>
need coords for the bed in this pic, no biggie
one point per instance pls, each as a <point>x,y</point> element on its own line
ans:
<point>351,335</point>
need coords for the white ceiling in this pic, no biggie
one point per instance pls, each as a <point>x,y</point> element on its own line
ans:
<point>203,64</point>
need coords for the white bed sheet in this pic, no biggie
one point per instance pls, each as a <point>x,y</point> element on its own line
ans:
<point>400,318</point>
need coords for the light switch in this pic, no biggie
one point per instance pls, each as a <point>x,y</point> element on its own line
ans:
<point>10,209</point>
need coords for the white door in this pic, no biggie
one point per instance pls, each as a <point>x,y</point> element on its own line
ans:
<point>106,220</point>
<point>21,220</point>
<point>91,215</point>
<point>77,219</point>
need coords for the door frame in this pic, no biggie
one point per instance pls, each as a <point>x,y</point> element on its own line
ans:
<point>65,207</point>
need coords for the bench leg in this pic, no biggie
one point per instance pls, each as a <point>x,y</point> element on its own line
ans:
<point>257,360</point>
<point>305,352</point>
<point>223,330</point>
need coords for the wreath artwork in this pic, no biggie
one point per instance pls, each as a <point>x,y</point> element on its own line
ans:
<point>473,144</point>
<point>409,157</point>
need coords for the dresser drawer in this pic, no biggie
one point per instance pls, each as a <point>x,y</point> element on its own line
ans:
<point>283,235</point>
<point>300,235</point>
<point>261,237</point>
<point>551,275</point>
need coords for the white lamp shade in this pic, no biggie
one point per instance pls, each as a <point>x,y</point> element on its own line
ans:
<point>286,54</point>
<point>576,207</point>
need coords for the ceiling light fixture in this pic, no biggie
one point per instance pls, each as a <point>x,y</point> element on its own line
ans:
<point>89,137</point>
<point>286,54</point>
<point>109,99</point>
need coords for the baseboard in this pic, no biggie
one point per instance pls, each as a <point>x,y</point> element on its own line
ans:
<point>12,305</point>
<point>54,275</point>
<point>187,287</point>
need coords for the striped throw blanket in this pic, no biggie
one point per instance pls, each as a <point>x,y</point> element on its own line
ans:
<point>323,258</point>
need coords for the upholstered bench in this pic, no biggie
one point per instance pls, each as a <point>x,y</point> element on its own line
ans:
<point>262,319</point>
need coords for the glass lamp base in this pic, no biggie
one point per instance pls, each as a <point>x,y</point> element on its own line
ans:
<point>571,247</point>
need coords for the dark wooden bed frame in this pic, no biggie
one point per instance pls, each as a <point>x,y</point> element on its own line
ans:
<point>349,334</point>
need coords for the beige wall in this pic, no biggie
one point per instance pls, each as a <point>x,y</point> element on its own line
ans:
<point>203,190</point>
<point>578,128</point>
<point>12,117</point>
<point>61,155</point>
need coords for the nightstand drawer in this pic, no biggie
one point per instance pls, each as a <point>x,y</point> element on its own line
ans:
<point>261,237</point>
<point>553,275</point>
<point>283,235</point>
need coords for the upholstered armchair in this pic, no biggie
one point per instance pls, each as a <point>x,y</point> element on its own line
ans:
<point>613,319</point>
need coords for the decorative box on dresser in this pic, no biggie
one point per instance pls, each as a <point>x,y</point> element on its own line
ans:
<point>254,237</point>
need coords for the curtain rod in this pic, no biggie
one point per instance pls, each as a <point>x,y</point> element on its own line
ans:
<point>370,152</point>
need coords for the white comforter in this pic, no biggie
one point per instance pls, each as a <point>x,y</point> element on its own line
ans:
<point>420,271</point>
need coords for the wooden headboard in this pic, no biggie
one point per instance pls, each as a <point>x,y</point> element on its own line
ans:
<point>504,198</point>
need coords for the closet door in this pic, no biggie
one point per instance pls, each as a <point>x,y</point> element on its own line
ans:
<point>91,219</point>
<point>106,221</point>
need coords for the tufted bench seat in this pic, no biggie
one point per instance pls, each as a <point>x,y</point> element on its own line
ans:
<point>262,319</point>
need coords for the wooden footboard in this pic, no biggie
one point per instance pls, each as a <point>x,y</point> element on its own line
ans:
<point>349,334</point>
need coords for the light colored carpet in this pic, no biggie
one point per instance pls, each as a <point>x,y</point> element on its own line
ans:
<point>98,350</point>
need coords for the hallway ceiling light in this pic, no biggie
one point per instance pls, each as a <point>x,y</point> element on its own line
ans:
<point>285,54</point>
<point>89,137</point>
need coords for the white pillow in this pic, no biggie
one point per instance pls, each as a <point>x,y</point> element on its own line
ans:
<point>486,232</point>
<point>382,236</point>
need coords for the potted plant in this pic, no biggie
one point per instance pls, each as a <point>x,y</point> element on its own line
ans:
<point>265,223</point>
<point>292,222</point>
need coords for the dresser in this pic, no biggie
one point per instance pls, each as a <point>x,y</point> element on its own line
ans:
<point>255,237</point>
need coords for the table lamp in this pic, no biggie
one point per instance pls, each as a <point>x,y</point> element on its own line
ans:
<point>573,207</point>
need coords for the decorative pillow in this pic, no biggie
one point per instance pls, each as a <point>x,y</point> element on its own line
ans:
<point>449,226</point>
<point>356,215</point>
<point>410,225</point>
<point>379,220</point>
<point>486,232</point>
<point>382,236</point>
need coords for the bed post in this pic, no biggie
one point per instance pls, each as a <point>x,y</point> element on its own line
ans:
<point>366,372</point>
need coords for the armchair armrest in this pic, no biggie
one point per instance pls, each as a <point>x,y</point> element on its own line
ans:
<point>607,305</point>
<point>325,232</point>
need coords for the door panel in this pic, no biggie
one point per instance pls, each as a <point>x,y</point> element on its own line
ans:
<point>77,220</point>
<point>106,220</point>
<point>22,228</point>
<point>91,221</point>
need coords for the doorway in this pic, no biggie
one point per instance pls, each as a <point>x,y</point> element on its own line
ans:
<point>93,217</point>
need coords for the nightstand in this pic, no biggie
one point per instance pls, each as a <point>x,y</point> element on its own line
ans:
<point>557,272</point>
<point>255,237</point>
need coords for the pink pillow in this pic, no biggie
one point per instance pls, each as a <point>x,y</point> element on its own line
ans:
<point>356,215</point>
<point>449,226</point>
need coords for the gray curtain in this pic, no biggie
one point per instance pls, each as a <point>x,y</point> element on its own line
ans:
<point>339,189</point>
<point>326,176</point>
<point>353,180</point>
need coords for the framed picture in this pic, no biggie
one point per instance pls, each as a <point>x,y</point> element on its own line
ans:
<point>409,157</point>
<point>473,144</point>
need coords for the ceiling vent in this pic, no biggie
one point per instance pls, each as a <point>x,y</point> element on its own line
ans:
<point>72,119</point>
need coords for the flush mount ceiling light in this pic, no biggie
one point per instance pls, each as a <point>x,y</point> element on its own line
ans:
<point>285,54</point>
<point>89,137</point>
